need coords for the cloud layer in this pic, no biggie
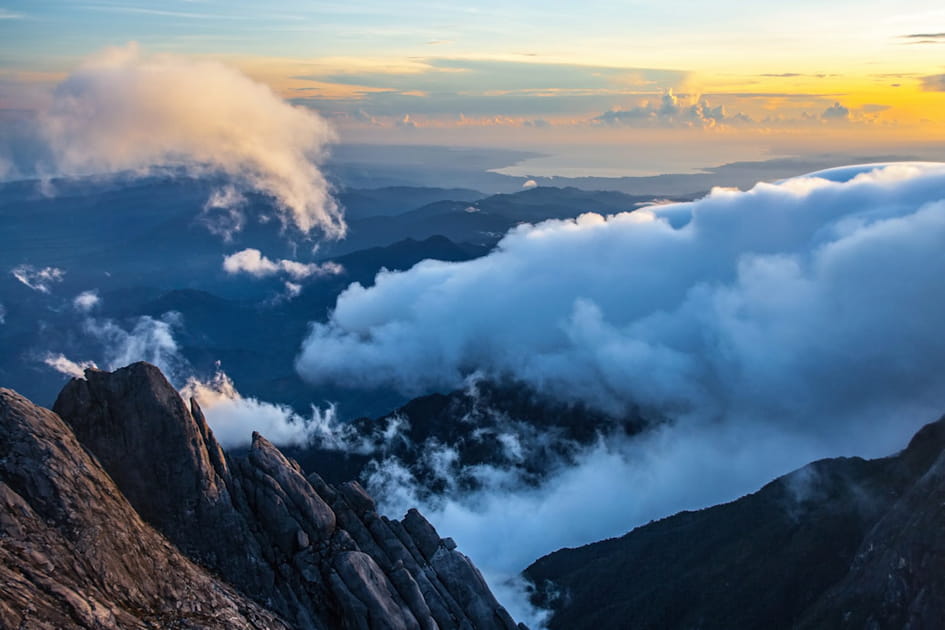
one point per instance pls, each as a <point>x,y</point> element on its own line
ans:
<point>122,110</point>
<point>759,330</point>
<point>798,300</point>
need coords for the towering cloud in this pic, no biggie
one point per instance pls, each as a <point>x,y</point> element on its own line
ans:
<point>125,111</point>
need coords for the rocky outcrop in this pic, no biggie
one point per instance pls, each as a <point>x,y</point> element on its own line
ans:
<point>318,555</point>
<point>75,554</point>
<point>841,543</point>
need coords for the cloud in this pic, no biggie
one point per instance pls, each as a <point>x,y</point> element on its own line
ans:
<point>836,112</point>
<point>36,278</point>
<point>148,339</point>
<point>233,417</point>
<point>530,184</point>
<point>223,214</point>
<point>613,486</point>
<point>672,111</point>
<point>86,301</point>
<point>122,110</point>
<point>924,38</point>
<point>61,364</point>
<point>784,301</point>
<point>934,83</point>
<point>252,261</point>
<point>757,331</point>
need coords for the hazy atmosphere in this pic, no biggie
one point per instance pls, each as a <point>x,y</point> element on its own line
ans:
<point>548,273</point>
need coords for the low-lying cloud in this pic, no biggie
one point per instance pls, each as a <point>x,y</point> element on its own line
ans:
<point>252,262</point>
<point>122,110</point>
<point>794,300</point>
<point>64,365</point>
<point>38,278</point>
<point>760,330</point>
<point>86,301</point>
<point>234,417</point>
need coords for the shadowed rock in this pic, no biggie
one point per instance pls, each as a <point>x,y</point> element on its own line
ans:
<point>75,554</point>
<point>840,543</point>
<point>318,555</point>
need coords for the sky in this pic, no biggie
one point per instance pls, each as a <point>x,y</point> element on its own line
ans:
<point>789,77</point>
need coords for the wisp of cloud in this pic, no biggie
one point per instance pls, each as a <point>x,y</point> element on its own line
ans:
<point>122,110</point>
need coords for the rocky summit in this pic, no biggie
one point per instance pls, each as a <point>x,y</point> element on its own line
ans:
<point>120,510</point>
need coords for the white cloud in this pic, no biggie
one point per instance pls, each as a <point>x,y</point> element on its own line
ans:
<point>733,304</point>
<point>66,366</point>
<point>530,184</point>
<point>38,279</point>
<point>253,262</point>
<point>234,417</point>
<point>86,301</point>
<point>122,110</point>
<point>761,329</point>
<point>149,339</point>
<point>223,212</point>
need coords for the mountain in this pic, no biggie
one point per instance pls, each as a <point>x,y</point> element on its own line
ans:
<point>75,554</point>
<point>448,439</point>
<point>121,510</point>
<point>393,200</point>
<point>841,543</point>
<point>256,340</point>
<point>486,220</point>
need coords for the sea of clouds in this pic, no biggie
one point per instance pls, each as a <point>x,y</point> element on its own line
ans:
<point>767,328</point>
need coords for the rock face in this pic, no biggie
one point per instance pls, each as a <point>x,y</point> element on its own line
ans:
<point>319,556</point>
<point>841,543</point>
<point>75,554</point>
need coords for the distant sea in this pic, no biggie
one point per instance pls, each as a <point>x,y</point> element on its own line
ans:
<point>631,161</point>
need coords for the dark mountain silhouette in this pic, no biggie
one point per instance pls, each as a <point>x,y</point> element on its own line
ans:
<point>841,543</point>
<point>486,220</point>
<point>503,424</point>
<point>393,200</point>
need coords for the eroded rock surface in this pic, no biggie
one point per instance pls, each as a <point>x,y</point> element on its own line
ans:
<point>75,554</point>
<point>318,555</point>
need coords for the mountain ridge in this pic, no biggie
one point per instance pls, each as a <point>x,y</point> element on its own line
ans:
<point>289,549</point>
<point>839,543</point>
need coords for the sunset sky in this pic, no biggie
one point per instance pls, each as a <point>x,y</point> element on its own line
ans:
<point>792,77</point>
